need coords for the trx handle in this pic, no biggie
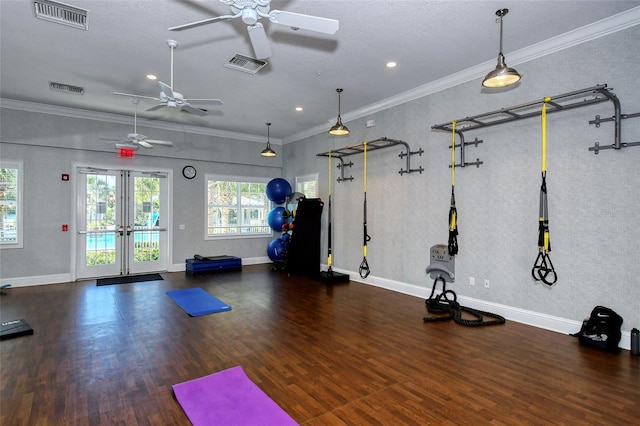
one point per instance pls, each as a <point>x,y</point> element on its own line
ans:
<point>543,269</point>
<point>453,212</point>
<point>364,266</point>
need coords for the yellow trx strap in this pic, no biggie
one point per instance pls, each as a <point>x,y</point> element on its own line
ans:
<point>453,212</point>
<point>364,266</point>
<point>543,269</point>
<point>330,253</point>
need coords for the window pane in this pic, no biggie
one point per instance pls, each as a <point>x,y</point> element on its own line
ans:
<point>237,208</point>
<point>9,214</point>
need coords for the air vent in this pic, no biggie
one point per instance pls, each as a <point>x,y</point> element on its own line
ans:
<point>245,64</point>
<point>61,13</point>
<point>61,87</point>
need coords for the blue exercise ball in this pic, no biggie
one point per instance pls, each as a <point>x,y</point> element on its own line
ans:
<point>276,218</point>
<point>278,190</point>
<point>276,248</point>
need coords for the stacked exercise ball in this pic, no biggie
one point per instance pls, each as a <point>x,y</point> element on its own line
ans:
<point>278,190</point>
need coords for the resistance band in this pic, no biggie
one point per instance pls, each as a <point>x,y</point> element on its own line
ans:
<point>329,250</point>
<point>543,269</point>
<point>453,213</point>
<point>364,266</point>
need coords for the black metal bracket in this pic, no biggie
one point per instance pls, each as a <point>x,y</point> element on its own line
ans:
<point>566,101</point>
<point>373,145</point>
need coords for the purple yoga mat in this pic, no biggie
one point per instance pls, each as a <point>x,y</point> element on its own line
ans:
<point>229,397</point>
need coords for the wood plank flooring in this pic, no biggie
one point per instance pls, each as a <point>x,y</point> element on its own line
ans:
<point>348,354</point>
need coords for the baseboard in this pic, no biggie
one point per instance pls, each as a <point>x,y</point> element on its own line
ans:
<point>532,318</point>
<point>36,280</point>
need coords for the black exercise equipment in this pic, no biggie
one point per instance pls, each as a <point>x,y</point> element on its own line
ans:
<point>543,269</point>
<point>453,212</point>
<point>302,254</point>
<point>330,276</point>
<point>364,266</point>
<point>445,304</point>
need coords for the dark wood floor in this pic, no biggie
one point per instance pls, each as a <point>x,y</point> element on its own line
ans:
<point>349,354</point>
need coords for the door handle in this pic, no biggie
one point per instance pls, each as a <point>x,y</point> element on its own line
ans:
<point>128,230</point>
<point>121,230</point>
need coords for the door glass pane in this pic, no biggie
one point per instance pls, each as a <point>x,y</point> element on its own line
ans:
<point>100,220</point>
<point>146,220</point>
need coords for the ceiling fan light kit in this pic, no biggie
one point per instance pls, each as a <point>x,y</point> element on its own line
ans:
<point>268,151</point>
<point>339,129</point>
<point>502,75</point>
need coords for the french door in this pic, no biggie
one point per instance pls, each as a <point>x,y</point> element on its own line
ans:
<point>122,221</point>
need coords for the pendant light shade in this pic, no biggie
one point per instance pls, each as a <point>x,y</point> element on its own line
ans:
<point>268,152</point>
<point>339,129</point>
<point>502,76</point>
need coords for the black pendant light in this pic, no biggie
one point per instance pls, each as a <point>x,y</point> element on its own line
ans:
<point>502,76</point>
<point>339,129</point>
<point>268,152</point>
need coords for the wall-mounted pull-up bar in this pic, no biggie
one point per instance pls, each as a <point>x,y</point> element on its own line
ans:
<point>566,101</point>
<point>373,145</point>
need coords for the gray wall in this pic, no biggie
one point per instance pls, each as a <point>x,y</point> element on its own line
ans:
<point>51,145</point>
<point>594,200</point>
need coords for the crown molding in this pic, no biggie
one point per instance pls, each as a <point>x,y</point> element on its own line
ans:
<point>575,37</point>
<point>122,119</point>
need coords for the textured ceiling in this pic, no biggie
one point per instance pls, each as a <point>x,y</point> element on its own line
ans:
<point>126,40</point>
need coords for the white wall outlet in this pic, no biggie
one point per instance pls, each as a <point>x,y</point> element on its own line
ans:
<point>486,283</point>
<point>370,123</point>
<point>472,281</point>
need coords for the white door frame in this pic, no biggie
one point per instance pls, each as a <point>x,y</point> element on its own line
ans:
<point>166,223</point>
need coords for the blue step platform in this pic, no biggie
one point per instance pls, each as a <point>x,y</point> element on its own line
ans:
<point>201,265</point>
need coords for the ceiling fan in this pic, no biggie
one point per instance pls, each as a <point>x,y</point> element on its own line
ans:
<point>252,10</point>
<point>172,99</point>
<point>135,139</point>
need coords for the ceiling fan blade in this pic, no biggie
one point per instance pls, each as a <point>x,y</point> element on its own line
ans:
<point>158,142</point>
<point>192,110</point>
<point>145,144</point>
<point>205,101</point>
<point>203,22</point>
<point>135,96</point>
<point>306,22</point>
<point>167,90</point>
<point>126,146</point>
<point>156,107</point>
<point>259,41</point>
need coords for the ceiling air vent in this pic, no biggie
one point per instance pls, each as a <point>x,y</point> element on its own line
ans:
<point>61,87</point>
<point>61,13</point>
<point>245,64</point>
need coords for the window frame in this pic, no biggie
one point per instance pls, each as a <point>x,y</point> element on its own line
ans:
<point>19,166</point>
<point>239,180</point>
<point>312,177</point>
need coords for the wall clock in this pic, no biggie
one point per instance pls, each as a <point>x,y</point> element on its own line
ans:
<point>189,172</point>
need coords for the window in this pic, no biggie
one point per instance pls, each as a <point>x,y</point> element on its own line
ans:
<point>11,204</point>
<point>237,207</point>
<point>308,185</point>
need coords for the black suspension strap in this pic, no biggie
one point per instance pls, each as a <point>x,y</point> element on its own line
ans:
<point>453,212</point>
<point>364,266</point>
<point>329,249</point>
<point>543,269</point>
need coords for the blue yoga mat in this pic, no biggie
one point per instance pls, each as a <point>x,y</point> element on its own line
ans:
<point>195,301</point>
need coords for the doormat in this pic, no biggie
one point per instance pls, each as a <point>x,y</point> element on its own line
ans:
<point>195,301</point>
<point>229,397</point>
<point>127,279</point>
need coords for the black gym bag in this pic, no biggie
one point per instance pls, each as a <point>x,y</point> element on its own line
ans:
<point>601,330</point>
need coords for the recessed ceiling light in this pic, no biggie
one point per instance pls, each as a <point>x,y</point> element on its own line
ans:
<point>151,77</point>
<point>299,108</point>
<point>391,64</point>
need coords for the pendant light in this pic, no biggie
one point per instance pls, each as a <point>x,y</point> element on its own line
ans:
<point>268,152</point>
<point>502,76</point>
<point>339,129</point>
